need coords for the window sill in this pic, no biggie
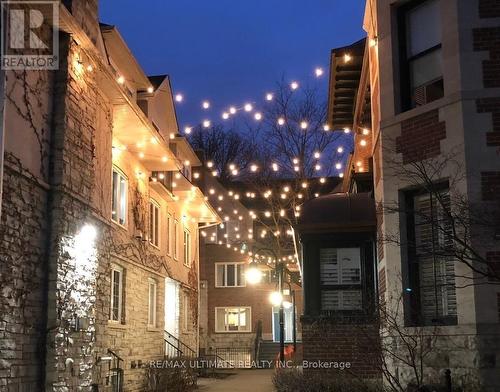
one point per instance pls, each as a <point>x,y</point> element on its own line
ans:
<point>414,112</point>
<point>116,325</point>
<point>118,225</point>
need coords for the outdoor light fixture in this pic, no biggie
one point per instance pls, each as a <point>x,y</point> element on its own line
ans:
<point>253,275</point>
<point>347,58</point>
<point>362,142</point>
<point>318,72</point>
<point>326,127</point>
<point>276,298</point>
<point>347,130</point>
<point>150,89</point>
<point>248,107</point>
<point>287,304</point>
<point>120,79</point>
<point>179,97</point>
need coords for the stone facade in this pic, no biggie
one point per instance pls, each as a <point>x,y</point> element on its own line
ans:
<point>58,240</point>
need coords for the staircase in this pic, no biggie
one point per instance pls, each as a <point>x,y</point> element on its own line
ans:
<point>175,348</point>
<point>268,351</point>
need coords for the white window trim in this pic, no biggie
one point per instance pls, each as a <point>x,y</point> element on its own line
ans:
<point>169,234</point>
<point>186,248</point>
<point>116,268</point>
<point>154,203</point>
<point>117,170</point>
<point>225,275</point>
<point>176,239</point>
<point>152,283</point>
<point>249,330</point>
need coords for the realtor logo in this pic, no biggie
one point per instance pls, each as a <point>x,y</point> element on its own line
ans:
<point>30,36</point>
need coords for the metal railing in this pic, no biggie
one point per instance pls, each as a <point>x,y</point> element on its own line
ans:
<point>174,347</point>
<point>237,357</point>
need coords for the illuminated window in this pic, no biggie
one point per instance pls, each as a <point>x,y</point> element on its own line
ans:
<point>152,302</point>
<point>119,198</point>
<point>230,275</point>
<point>187,247</point>
<point>234,319</point>
<point>154,223</point>
<point>115,313</point>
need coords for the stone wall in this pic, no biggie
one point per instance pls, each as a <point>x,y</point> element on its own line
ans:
<point>22,277</point>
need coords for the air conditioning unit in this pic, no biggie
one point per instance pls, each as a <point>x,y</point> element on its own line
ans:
<point>428,92</point>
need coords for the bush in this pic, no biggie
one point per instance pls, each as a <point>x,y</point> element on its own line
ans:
<point>295,381</point>
<point>170,379</point>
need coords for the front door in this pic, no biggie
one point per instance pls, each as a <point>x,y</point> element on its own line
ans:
<point>288,319</point>
<point>172,307</point>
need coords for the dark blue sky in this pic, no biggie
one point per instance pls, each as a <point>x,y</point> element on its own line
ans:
<point>231,51</point>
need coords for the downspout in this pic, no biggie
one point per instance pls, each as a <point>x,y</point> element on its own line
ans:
<point>2,133</point>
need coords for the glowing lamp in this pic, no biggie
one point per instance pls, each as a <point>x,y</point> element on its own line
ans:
<point>276,298</point>
<point>253,275</point>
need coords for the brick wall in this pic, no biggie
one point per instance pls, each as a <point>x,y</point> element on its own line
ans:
<point>358,344</point>
<point>489,9</point>
<point>420,137</point>
<point>490,185</point>
<point>491,105</point>
<point>488,39</point>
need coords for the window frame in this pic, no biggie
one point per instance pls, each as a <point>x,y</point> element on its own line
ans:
<point>405,84</point>
<point>248,323</point>
<point>175,229</point>
<point>413,312</point>
<point>169,234</point>
<point>225,264</point>
<point>119,318</point>
<point>153,204</point>
<point>152,307</point>
<point>186,246</point>
<point>121,176</point>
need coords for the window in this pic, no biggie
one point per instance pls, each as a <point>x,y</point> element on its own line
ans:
<point>431,283</point>
<point>340,275</point>
<point>187,247</point>
<point>119,199</point>
<point>230,275</point>
<point>115,313</point>
<point>174,239</point>
<point>154,223</point>
<point>421,57</point>
<point>234,319</point>
<point>169,234</point>
<point>152,303</point>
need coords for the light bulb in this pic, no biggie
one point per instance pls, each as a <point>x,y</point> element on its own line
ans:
<point>179,97</point>
<point>340,150</point>
<point>269,97</point>
<point>225,115</point>
<point>303,124</point>
<point>276,298</point>
<point>248,107</point>
<point>326,127</point>
<point>187,130</point>
<point>281,121</point>
<point>232,110</point>
<point>150,89</point>
<point>338,166</point>
<point>294,85</point>
<point>258,116</point>
<point>205,105</point>
<point>317,154</point>
<point>318,72</point>
<point>206,123</point>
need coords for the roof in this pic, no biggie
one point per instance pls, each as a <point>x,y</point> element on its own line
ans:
<point>344,83</point>
<point>338,212</point>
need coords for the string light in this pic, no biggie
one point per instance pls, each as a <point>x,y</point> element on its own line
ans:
<point>347,58</point>
<point>294,85</point>
<point>258,116</point>
<point>317,154</point>
<point>120,79</point>
<point>205,105</point>
<point>248,107</point>
<point>179,98</point>
<point>347,130</point>
<point>187,130</point>
<point>206,123</point>
<point>269,97</point>
<point>362,142</point>
<point>150,90</point>
<point>326,127</point>
<point>340,150</point>
<point>318,72</point>
<point>275,167</point>
<point>281,121</point>
<point>366,131</point>
<point>303,124</point>
<point>338,166</point>
<point>253,167</point>
<point>225,115</point>
<point>373,42</point>
<point>232,110</point>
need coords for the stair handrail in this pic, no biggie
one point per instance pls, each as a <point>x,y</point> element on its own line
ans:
<point>185,348</point>
<point>258,339</point>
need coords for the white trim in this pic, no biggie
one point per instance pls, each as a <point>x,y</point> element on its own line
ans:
<point>152,283</point>
<point>155,204</point>
<point>119,269</point>
<point>224,285</point>
<point>169,234</point>
<point>121,176</point>
<point>248,322</point>
<point>186,246</point>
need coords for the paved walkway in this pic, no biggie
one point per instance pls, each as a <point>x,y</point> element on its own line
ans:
<point>251,380</point>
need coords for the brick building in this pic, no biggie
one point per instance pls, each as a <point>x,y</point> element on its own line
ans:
<point>420,96</point>
<point>237,320</point>
<point>99,224</point>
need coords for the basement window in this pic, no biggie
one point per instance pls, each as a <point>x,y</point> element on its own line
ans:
<point>420,53</point>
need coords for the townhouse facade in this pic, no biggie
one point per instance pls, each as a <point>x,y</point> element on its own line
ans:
<point>420,96</point>
<point>238,323</point>
<point>100,223</point>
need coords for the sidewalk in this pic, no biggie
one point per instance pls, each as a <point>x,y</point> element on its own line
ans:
<point>242,381</point>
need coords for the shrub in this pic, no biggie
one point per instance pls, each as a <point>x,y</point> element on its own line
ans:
<point>293,380</point>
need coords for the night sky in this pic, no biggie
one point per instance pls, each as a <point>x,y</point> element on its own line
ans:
<point>232,51</point>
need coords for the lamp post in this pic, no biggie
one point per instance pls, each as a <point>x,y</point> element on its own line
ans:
<point>278,300</point>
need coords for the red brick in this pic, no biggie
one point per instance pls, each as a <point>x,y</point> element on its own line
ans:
<point>420,137</point>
